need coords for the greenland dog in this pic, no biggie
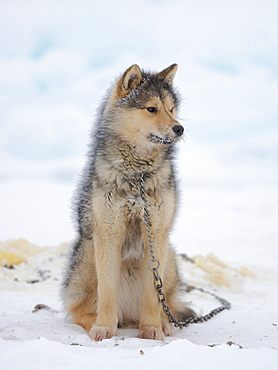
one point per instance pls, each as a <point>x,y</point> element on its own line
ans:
<point>107,283</point>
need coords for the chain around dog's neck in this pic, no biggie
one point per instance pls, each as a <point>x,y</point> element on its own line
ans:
<point>154,266</point>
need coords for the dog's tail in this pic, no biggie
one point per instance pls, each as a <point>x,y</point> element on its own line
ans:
<point>183,314</point>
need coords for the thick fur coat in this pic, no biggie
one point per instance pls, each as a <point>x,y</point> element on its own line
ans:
<point>107,283</point>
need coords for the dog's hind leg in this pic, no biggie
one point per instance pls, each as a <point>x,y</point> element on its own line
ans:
<point>180,312</point>
<point>81,316</point>
<point>80,285</point>
<point>167,327</point>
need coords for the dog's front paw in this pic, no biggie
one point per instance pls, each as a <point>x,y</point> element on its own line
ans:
<point>167,327</point>
<point>151,332</point>
<point>99,333</point>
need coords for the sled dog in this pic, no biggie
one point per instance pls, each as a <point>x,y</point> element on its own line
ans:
<point>107,283</point>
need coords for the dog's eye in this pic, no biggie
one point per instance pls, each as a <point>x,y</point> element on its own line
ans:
<point>152,109</point>
<point>171,110</point>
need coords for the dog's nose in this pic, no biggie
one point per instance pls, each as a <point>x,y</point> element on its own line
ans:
<point>178,130</point>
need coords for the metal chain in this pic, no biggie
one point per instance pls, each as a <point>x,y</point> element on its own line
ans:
<point>154,266</point>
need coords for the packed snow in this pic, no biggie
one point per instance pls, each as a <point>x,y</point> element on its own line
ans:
<point>56,61</point>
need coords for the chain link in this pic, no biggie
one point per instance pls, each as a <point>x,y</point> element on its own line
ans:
<point>154,266</point>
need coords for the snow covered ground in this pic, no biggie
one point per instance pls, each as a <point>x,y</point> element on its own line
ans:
<point>242,338</point>
<point>56,60</point>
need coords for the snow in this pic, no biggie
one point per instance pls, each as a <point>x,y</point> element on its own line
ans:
<point>180,354</point>
<point>243,335</point>
<point>56,61</point>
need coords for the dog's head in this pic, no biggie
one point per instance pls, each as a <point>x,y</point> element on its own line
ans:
<point>145,105</point>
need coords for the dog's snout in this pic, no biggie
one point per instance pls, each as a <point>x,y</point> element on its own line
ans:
<point>178,130</point>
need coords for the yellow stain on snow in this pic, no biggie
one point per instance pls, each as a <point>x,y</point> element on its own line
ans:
<point>16,251</point>
<point>220,273</point>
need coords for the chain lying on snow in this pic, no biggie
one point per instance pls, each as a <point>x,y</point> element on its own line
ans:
<point>154,266</point>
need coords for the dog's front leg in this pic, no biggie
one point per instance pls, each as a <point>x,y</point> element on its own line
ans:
<point>107,241</point>
<point>150,320</point>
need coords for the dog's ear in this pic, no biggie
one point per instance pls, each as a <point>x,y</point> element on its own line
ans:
<point>168,74</point>
<point>131,79</point>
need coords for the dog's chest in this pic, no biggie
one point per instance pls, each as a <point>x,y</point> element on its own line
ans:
<point>130,193</point>
<point>132,247</point>
<point>133,215</point>
<point>132,207</point>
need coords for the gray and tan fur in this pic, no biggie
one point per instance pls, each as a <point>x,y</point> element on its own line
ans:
<point>107,283</point>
